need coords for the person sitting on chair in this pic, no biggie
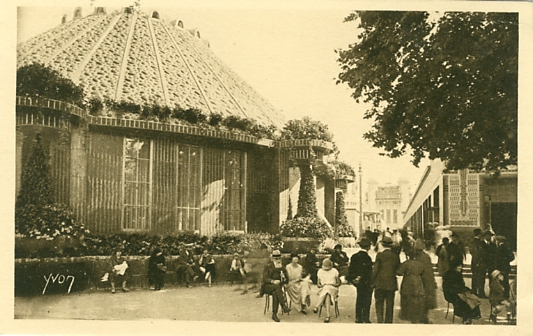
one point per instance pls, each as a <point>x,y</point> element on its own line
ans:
<point>185,263</point>
<point>207,266</point>
<point>465,303</point>
<point>274,276</point>
<point>328,284</point>
<point>311,264</point>
<point>340,260</point>
<point>157,269</point>
<point>298,286</point>
<point>118,270</point>
<point>237,268</point>
<point>497,296</point>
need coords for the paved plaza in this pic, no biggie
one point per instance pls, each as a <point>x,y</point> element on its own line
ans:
<point>222,302</point>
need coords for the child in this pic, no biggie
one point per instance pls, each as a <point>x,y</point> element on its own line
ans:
<point>328,283</point>
<point>237,267</point>
<point>496,296</point>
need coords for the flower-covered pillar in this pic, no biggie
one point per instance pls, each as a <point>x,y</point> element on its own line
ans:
<point>307,156</point>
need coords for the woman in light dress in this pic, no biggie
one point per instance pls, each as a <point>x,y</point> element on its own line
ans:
<point>328,283</point>
<point>299,285</point>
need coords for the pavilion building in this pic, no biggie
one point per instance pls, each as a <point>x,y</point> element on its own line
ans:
<point>120,173</point>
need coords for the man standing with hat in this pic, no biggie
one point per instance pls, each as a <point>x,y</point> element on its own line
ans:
<point>490,249</point>
<point>455,249</point>
<point>274,276</point>
<point>360,275</point>
<point>384,280</point>
<point>478,265</point>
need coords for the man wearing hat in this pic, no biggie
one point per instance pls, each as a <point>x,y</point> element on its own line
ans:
<point>274,276</point>
<point>479,264</point>
<point>360,275</point>
<point>456,251</point>
<point>384,280</point>
<point>490,249</point>
<point>504,256</point>
<point>185,263</point>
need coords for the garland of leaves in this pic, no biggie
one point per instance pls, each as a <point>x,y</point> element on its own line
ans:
<point>192,116</point>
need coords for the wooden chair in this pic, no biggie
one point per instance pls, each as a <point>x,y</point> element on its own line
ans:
<point>335,304</point>
<point>448,309</point>
<point>267,302</point>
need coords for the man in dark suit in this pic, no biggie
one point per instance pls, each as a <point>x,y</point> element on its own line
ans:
<point>504,256</point>
<point>274,276</point>
<point>360,275</point>
<point>479,264</point>
<point>490,249</point>
<point>185,264</point>
<point>456,251</point>
<point>384,280</point>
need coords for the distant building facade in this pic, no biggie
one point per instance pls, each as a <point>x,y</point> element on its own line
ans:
<point>383,206</point>
<point>386,205</point>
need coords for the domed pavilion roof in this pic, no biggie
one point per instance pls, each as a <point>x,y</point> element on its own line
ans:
<point>136,57</point>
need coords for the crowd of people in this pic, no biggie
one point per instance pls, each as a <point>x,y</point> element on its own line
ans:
<point>491,256</point>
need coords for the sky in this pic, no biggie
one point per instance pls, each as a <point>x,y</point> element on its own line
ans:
<point>286,52</point>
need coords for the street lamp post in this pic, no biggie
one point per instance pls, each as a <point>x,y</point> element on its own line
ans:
<point>360,201</point>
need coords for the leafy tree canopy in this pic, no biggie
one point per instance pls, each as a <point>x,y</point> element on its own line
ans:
<point>443,87</point>
<point>39,80</point>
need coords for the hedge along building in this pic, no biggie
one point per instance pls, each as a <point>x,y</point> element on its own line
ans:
<point>464,200</point>
<point>121,173</point>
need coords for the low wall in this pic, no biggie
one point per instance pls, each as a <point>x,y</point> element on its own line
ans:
<point>68,275</point>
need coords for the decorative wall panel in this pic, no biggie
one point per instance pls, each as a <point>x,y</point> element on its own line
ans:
<point>463,197</point>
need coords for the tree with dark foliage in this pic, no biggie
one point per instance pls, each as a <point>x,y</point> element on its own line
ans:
<point>35,188</point>
<point>443,87</point>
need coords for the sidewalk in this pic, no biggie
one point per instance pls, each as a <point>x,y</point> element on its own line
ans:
<point>220,303</point>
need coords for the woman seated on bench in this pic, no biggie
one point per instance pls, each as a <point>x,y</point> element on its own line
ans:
<point>328,284</point>
<point>207,266</point>
<point>118,270</point>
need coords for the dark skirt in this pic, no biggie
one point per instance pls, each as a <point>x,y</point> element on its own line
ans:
<point>210,268</point>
